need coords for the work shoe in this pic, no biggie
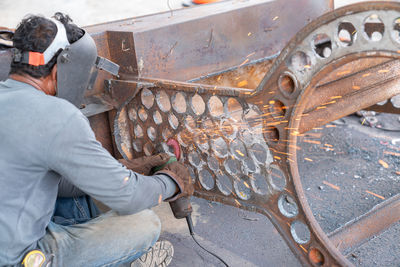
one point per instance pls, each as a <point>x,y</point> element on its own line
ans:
<point>159,255</point>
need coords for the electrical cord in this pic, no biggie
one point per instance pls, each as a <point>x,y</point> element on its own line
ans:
<point>191,231</point>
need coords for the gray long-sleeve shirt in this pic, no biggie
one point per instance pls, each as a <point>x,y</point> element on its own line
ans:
<point>41,139</point>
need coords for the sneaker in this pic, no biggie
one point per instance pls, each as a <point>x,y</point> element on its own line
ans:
<point>159,255</point>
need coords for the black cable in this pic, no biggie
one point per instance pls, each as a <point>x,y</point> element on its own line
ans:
<point>190,224</point>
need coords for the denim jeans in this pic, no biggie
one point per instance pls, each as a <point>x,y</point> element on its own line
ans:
<point>75,238</point>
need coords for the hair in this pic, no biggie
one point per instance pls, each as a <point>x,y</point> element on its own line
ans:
<point>35,34</point>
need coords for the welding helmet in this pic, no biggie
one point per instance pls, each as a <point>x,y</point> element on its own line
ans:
<point>77,63</point>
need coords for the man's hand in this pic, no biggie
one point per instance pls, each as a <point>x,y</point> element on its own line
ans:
<point>144,164</point>
<point>180,174</point>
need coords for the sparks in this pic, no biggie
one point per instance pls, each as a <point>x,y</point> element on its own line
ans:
<point>384,164</point>
<point>331,185</point>
<point>244,62</point>
<point>356,87</point>
<point>240,153</point>
<point>249,34</point>
<point>242,83</point>
<point>275,18</point>
<point>308,159</point>
<point>391,153</point>
<point>343,72</point>
<point>376,195</point>
<point>305,250</point>
<point>336,97</point>
<point>312,141</point>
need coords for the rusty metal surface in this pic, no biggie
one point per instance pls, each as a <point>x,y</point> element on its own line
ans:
<point>241,148</point>
<point>361,229</point>
<point>193,42</point>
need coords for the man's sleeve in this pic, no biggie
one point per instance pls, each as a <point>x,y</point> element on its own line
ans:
<point>77,156</point>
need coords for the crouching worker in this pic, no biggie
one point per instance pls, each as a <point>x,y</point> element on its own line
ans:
<point>50,163</point>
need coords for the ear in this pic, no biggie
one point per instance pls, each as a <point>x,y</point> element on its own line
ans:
<point>53,73</point>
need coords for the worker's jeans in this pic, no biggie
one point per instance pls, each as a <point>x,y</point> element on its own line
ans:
<point>108,240</point>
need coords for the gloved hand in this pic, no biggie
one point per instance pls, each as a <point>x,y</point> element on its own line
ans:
<point>180,174</point>
<point>144,164</point>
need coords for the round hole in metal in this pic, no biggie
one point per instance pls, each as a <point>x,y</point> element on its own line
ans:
<point>166,134</point>
<point>373,28</point>
<point>249,166</point>
<point>224,184</point>
<point>194,159</point>
<point>151,133</point>
<point>147,98</point>
<point>132,114</point>
<point>287,206</point>
<point>316,257</point>
<point>235,110</point>
<point>242,188</point>
<point>213,163</point>
<point>259,153</point>
<point>138,131</point>
<point>179,102</point>
<point>322,45</point>
<point>215,106</point>
<point>197,104</point>
<point>206,179</point>
<point>238,149</point>
<point>277,178</point>
<point>148,149</point>
<point>219,147</point>
<point>190,123</point>
<point>185,137</point>
<point>300,61</point>
<point>228,128</point>
<point>287,83</point>
<point>347,33</point>
<point>137,145</point>
<point>163,102</point>
<point>142,114</point>
<point>300,232</point>
<point>395,101</point>
<point>277,109</point>
<point>157,117</point>
<point>271,134</point>
<point>173,121</point>
<point>232,166</point>
<point>259,183</point>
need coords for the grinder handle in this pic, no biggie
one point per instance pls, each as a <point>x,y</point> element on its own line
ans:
<point>181,207</point>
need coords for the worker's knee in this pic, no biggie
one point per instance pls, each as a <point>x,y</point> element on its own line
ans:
<point>148,225</point>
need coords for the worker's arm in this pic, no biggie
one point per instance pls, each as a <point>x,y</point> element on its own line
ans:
<point>78,157</point>
<point>67,189</point>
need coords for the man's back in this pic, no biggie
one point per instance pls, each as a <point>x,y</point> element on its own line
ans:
<point>29,120</point>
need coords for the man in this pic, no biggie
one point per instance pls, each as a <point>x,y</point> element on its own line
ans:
<point>48,150</point>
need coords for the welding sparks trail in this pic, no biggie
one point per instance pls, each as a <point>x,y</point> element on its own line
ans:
<point>376,195</point>
<point>384,164</point>
<point>331,185</point>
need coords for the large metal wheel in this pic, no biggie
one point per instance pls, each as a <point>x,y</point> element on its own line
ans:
<point>241,144</point>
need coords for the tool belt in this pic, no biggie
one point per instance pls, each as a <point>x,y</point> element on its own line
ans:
<point>36,258</point>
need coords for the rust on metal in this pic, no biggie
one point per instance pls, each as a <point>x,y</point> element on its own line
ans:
<point>237,109</point>
<point>370,224</point>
